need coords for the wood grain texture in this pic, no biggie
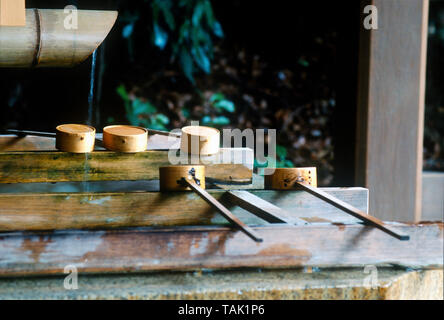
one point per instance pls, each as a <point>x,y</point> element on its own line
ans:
<point>136,209</point>
<point>45,42</point>
<point>432,196</point>
<point>29,143</point>
<point>263,209</point>
<point>217,248</point>
<point>12,13</point>
<point>37,143</point>
<point>391,109</point>
<point>23,167</point>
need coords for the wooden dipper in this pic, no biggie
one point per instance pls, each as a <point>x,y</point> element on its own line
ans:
<point>169,177</point>
<point>182,178</point>
<point>75,138</point>
<point>305,179</point>
<point>200,140</point>
<point>285,178</point>
<point>123,138</point>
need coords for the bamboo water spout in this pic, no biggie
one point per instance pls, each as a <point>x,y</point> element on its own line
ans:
<point>46,42</point>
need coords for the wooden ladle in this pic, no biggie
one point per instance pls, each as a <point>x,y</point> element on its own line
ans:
<point>305,179</point>
<point>183,178</point>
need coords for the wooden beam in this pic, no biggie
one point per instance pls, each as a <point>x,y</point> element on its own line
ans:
<point>391,108</point>
<point>12,13</point>
<point>24,167</point>
<point>262,208</point>
<point>137,209</point>
<point>37,143</point>
<point>217,248</point>
<point>432,196</point>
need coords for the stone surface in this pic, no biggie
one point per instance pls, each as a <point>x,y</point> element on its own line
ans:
<point>366,283</point>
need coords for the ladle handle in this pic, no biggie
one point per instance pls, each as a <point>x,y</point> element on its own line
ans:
<point>352,211</point>
<point>164,133</point>
<point>23,133</point>
<point>224,211</point>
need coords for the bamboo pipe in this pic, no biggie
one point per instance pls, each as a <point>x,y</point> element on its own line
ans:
<point>45,42</point>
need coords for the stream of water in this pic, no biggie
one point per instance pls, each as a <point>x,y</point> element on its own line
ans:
<point>91,88</point>
<point>85,183</point>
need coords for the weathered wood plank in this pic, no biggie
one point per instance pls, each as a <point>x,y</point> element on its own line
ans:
<point>116,186</point>
<point>29,143</point>
<point>432,196</point>
<point>391,108</point>
<point>137,209</point>
<point>24,167</point>
<point>217,248</point>
<point>38,143</point>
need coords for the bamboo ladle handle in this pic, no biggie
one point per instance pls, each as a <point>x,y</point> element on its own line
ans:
<point>24,133</point>
<point>375,222</point>
<point>224,211</point>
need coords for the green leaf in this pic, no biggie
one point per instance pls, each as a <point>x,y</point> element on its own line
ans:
<point>217,29</point>
<point>221,121</point>
<point>303,62</point>
<point>201,59</point>
<point>186,63</point>
<point>165,7</point>
<point>160,36</point>
<point>216,97</point>
<point>121,91</point>
<point>288,164</point>
<point>163,119</point>
<point>281,152</point>
<point>198,13</point>
<point>132,118</point>
<point>186,113</point>
<point>155,124</point>
<point>142,107</point>
<point>110,120</point>
<point>184,32</point>
<point>206,120</point>
<point>128,30</point>
<point>226,105</point>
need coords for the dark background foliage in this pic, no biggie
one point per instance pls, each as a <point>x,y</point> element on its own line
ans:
<point>237,64</point>
<point>434,111</point>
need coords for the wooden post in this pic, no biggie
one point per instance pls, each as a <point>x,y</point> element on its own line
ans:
<point>12,13</point>
<point>391,108</point>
